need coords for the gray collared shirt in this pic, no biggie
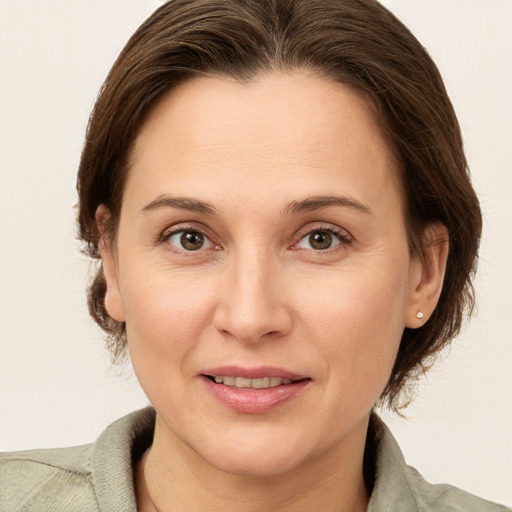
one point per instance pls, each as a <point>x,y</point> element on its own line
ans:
<point>99,476</point>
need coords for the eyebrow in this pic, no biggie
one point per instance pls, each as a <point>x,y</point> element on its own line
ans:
<point>182,203</point>
<point>307,205</point>
<point>318,202</point>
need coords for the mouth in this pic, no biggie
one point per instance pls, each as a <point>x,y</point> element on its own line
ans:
<point>258,383</point>
<point>254,391</point>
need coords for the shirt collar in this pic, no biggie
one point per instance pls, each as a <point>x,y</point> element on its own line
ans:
<point>122,443</point>
<point>394,488</point>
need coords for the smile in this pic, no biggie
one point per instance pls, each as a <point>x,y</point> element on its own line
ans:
<point>256,390</point>
<point>259,383</point>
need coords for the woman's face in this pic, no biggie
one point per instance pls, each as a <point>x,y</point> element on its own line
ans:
<point>262,243</point>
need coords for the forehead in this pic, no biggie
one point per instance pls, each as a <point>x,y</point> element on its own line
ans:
<point>296,126</point>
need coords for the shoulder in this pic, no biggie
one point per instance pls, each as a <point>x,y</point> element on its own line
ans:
<point>446,498</point>
<point>56,479</point>
<point>87,478</point>
<point>398,486</point>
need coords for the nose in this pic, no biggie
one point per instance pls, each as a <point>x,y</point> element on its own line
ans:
<point>252,303</point>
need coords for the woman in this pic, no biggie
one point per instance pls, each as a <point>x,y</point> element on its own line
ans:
<point>279,197</point>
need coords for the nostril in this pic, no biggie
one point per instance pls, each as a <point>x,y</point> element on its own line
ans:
<point>249,320</point>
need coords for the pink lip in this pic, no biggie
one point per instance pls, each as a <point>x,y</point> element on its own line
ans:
<point>253,373</point>
<point>250,400</point>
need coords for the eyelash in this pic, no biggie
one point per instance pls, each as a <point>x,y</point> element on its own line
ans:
<point>166,236</point>
<point>342,236</point>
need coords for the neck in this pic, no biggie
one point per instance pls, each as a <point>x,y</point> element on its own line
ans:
<point>170,477</point>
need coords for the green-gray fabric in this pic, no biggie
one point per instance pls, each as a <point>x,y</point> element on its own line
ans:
<point>99,477</point>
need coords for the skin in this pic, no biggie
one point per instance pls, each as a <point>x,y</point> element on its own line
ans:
<point>258,293</point>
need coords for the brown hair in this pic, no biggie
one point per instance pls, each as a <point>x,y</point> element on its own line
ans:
<point>355,42</point>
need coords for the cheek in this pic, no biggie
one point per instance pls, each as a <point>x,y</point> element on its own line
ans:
<point>166,315</point>
<point>357,322</point>
<point>165,321</point>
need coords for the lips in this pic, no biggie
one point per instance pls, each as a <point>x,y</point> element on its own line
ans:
<point>253,391</point>
<point>253,373</point>
<point>259,383</point>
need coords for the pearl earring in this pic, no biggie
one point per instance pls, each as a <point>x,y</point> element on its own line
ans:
<point>419,315</point>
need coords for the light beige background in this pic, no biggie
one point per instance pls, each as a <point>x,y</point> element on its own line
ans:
<point>56,385</point>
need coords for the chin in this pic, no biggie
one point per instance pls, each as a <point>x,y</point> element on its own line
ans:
<point>264,459</point>
<point>255,466</point>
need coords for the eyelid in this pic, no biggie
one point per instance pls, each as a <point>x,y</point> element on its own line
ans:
<point>181,227</point>
<point>343,235</point>
<point>206,242</point>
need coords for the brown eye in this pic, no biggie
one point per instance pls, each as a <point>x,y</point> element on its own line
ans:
<point>189,240</point>
<point>323,239</point>
<point>320,240</point>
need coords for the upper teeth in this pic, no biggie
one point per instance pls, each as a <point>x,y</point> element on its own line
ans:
<point>242,382</point>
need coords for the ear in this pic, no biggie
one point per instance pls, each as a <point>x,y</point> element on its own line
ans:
<point>113,302</point>
<point>427,276</point>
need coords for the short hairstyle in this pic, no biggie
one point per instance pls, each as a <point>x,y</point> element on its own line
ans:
<point>357,43</point>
